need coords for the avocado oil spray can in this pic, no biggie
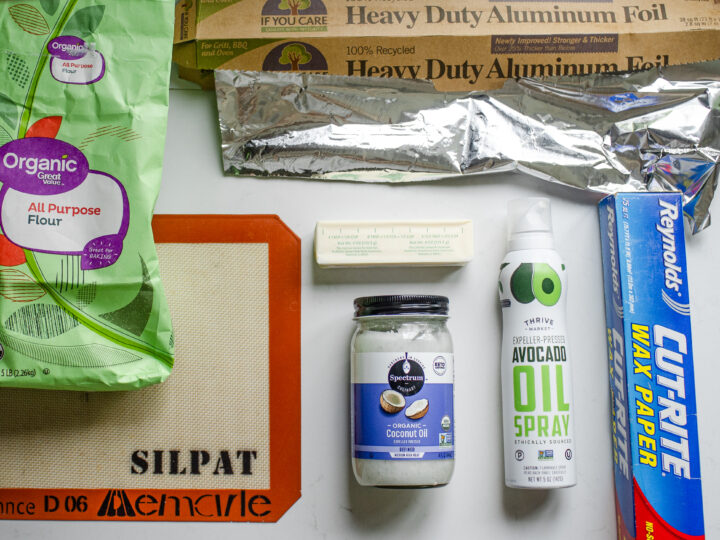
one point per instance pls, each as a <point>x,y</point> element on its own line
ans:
<point>535,364</point>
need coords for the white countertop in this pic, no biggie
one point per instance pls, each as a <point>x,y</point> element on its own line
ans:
<point>475,503</point>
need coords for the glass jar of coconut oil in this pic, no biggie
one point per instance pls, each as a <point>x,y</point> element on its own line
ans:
<point>402,420</point>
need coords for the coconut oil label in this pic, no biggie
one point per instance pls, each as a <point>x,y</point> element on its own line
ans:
<point>403,405</point>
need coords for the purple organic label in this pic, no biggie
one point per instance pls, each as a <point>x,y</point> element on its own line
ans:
<point>67,47</point>
<point>42,166</point>
<point>90,220</point>
<point>74,61</point>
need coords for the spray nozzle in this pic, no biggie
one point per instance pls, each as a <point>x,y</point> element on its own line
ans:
<point>529,224</point>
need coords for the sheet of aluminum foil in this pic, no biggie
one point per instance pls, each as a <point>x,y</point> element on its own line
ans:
<point>656,130</point>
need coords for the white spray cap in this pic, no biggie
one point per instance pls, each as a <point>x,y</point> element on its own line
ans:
<point>529,224</point>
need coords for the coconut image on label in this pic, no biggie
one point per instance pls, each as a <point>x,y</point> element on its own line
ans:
<point>417,409</point>
<point>392,401</point>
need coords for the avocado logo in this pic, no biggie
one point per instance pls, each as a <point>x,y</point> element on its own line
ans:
<point>536,281</point>
<point>295,56</point>
<point>295,15</point>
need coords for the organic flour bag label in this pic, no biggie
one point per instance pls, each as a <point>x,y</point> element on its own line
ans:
<point>83,110</point>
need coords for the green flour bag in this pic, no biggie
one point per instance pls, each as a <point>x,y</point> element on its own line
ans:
<point>83,112</point>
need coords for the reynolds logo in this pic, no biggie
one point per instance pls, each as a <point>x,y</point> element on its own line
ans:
<point>628,100</point>
<point>293,15</point>
<point>669,214</point>
<point>617,300</point>
<point>295,56</point>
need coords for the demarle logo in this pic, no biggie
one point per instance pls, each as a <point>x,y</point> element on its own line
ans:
<point>116,504</point>
<point>157,503</point>
<point>295,56</point>
<point>295,15</point>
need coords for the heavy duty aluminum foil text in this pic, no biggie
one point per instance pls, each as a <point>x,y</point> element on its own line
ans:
<point>649,131</point>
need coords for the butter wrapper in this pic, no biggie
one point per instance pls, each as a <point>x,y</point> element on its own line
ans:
<point>393,243</point>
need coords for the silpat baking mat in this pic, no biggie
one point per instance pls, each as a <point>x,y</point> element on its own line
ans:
<point>220,440</point>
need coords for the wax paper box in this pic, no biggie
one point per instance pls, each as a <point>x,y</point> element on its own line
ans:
<point>654,415</point>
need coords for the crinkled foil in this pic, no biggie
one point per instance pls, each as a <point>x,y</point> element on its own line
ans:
<point>649,131</point>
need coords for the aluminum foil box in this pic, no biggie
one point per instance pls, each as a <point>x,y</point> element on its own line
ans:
<point>458,44</point>
<point>654,415</point>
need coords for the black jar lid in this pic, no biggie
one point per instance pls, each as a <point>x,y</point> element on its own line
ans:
<point>401,304</point>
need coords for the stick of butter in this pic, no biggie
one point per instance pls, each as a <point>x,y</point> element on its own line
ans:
<point>393,243</point>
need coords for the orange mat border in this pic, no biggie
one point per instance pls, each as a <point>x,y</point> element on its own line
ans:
<point>221,504</point>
